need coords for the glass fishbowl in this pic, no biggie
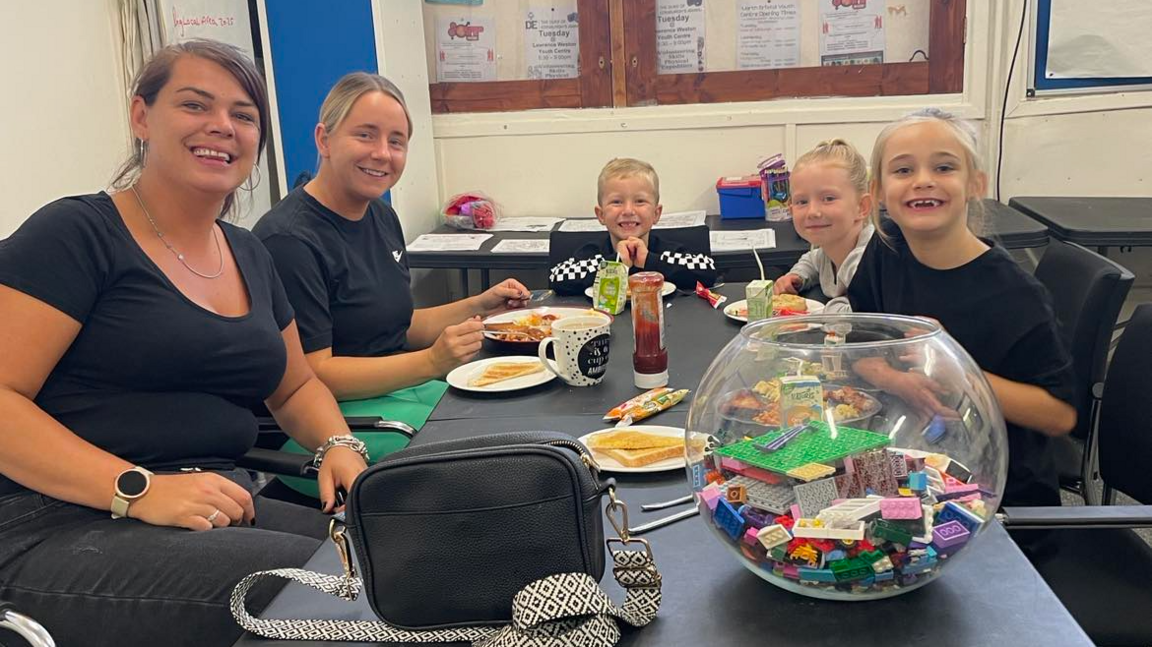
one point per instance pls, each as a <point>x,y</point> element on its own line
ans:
<point>846,457</point>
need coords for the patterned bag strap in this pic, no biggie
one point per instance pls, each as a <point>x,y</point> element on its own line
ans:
<point>562,610</point>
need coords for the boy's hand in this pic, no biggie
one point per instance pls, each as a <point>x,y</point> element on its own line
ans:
<point>633,252</point>
<point>788,284</point>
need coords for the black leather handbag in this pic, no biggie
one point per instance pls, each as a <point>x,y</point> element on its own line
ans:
<point>485,538</point>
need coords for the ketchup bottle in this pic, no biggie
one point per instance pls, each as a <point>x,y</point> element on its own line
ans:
<point>649,357</point>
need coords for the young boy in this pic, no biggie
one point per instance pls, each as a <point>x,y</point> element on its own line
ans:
<point>628,197</point>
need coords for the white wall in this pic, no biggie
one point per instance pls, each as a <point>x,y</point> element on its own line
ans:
<point>64,119</point>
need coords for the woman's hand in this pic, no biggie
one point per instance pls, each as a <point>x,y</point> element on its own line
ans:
<point>456,345</point>
<point>506,295</point>
<point>338,471</point>
<point>788,284</point>
<point>189,500</point>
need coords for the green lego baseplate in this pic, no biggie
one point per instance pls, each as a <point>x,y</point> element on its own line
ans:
<point>815,444</point>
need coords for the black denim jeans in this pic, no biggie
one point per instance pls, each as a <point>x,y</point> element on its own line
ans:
<point>92,580</point>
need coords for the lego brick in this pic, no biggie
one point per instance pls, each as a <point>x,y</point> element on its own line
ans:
<point>953,511</point>
<point>754,517</point>
<point>735,494</point>
<point>847,570</point>
<point>817,445</point>
<point>899,465</point>
<point>950,535</point>
<point>853,509</point>
<point>815,496</point>
<point>925,535</point>
<point>750,535</point>
<point>710,495</point>
<point>811,471</point>
<point>814,529</point>
<point>887,530</point>
<point>959,472</point>
<point>817,574</point>
<point>917,481</point>
<point>935,480</point>
<point>964,488</point>
<point>900,508</point>
<point>791,572</point>
<point>885,576</point>
<point>736,467</point>
<point>808,555</point>
<point>884,564</point>
<point>697,476</point>
<point>779,553</point>
<point>728,520</point>
<point>772,536</point>
<point>835,555</point>
<point>848,486</point>
<point>766,496</point>
<point>874,472</point>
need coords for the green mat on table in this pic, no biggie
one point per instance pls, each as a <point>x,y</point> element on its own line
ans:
<point>412,405</point>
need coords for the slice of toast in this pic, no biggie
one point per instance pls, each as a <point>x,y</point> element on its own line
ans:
<point>632,439</point>
<point>500,371</point>
<point>642,457</point>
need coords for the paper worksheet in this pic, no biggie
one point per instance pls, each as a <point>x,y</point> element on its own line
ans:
<point>681,219</point>
<point>521,246</point>
<point>525,224</point>
<point>466,49</point>
<point>851,33</point>
<point>730,241</point>
<point>448,242</point>
<point>582,224</point>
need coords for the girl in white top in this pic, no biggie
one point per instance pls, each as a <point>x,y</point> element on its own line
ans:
<point>830,208</point>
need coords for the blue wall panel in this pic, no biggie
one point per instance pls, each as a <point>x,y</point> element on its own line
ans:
<point>314,43</point>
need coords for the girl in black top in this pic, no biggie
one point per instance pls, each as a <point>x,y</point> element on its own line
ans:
<point>925,261</point>
<point>340,252</point>
<point>138,329</point>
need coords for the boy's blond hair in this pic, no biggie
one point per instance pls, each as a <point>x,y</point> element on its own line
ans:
<point>842,154</point>
<point>623,167</point>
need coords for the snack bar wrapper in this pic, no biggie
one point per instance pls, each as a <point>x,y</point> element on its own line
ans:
<point>651,407</point>
<point>618,411</point>
<point>714,299</point>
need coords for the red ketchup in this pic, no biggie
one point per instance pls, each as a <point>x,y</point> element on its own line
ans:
<point>649,357</point>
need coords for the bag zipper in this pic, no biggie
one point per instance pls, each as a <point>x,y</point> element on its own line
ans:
<point>585,456</point>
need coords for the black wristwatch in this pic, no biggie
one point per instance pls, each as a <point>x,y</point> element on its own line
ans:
<point>131,484</point>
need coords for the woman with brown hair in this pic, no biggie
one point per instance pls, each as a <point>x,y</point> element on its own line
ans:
<point>139,329</point>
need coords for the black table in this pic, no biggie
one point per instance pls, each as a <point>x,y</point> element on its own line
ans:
<point>993,597</point>
<point>1010,227</point>
<point>1092,222</point>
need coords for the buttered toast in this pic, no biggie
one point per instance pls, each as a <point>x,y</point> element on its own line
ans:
<point>632,439</point>
<point>500,371</point>
<point>642,457</point>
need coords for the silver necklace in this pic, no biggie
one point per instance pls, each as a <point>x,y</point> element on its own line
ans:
<point>179,256</point>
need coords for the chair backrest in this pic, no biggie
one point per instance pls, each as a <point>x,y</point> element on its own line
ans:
<point>1125,432</point>
<point>1087,291</point>
<point>562,244</point>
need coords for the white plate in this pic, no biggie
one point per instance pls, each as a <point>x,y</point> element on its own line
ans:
<point>730,310</point>
<point>460,376</point>
<point>668,288</point>
<point>513,315</point>
<point>610,465</point>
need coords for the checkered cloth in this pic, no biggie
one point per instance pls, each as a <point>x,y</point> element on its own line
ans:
<point>574,269</point>
<point>690,261</point>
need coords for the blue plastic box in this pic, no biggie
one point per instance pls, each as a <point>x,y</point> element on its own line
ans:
<point>740,197</point>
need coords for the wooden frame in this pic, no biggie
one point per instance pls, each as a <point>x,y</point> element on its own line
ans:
<point>592,89</point>
<point>942,73</point>
<point>618,67</point>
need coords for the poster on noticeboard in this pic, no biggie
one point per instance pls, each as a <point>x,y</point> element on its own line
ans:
<point>851,32</point>
<point>679,36</point>
<point>552,41</point>
<point>465,49</point>
<point>768,34</point>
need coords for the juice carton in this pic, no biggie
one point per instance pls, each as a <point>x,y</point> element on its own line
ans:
<point>610,290</point>
<point>801,399</point>
<point>759,296</point>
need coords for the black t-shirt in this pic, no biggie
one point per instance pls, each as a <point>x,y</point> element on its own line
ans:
<point>151,377</point>
<point>678,264</point>
<point>348,280</point>
<point>1001,315</point>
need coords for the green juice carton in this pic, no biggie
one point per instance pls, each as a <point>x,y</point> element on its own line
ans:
<point>801,399</point>
<point>759,296</point>
<point>610,291</point>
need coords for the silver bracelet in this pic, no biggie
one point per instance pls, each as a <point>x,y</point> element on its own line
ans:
<point>351,442</point>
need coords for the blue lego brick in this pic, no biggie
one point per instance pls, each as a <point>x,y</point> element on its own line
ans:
<point>728,520</point>
<point>817,574</point>
<point>917,481</point>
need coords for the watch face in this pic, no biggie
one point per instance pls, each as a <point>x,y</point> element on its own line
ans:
<point>131,483</point>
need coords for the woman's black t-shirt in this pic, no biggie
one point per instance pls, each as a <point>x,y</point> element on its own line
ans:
<point>151,377</point>
<point>348,280</point>
<point>1001,315</point>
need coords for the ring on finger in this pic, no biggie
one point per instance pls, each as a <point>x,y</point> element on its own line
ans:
<point>212,517</point>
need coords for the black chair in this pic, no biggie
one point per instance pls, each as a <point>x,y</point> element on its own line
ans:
<point>1102,570</point>
<point>1087,291</point>
<point>267,458</point>
<point>562,245</point>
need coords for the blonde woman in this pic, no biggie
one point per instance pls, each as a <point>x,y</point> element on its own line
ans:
<point>340,252</point>
<point>138,329</point>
